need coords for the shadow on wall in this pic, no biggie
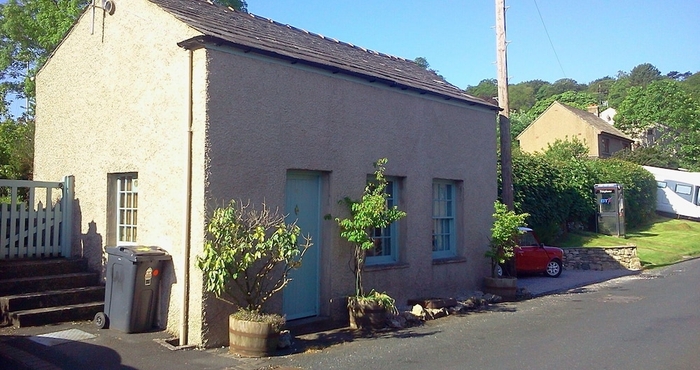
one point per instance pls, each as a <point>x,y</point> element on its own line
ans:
<point>90,244</point>
<point>166,287</point>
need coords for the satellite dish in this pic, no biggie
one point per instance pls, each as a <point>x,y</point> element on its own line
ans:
<point>108,6</point>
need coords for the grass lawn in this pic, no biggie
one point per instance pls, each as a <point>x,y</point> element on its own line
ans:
<point>663,242</point>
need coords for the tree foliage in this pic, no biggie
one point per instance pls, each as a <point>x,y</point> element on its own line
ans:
<point>29,31</point>
<point>538,190</point>
<point>249,253</point>
<point>574,99</point>
<point>655,156</point>
<point>556,189</point>
<point>518,123</point>
<point>367,214</point>
<point>486,89</point>
<point>521,97</point>
<point>16,149</point>
<point>691,85</point>
<point>644,74</point>
<point>559,87</point>
<point>638,184</point>
<point>664,105</point>
<point>504,235</point>
<point>240,5</point>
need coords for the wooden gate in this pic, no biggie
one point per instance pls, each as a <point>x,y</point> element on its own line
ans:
<point>35,218</point>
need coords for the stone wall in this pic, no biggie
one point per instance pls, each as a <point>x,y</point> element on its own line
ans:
<point>602,258</point>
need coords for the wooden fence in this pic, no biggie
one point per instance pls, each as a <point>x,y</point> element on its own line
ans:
<point>35,218</point>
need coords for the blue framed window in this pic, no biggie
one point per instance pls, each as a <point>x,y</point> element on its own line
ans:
<point>444,210</point>
<point>386,240</point>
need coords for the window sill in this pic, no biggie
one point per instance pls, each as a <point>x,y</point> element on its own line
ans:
<point>386,266</point>
<point>449,260</point>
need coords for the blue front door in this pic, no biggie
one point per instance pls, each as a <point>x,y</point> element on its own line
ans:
<point>303,204</point>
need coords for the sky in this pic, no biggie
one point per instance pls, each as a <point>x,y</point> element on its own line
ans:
<point>548,39</point>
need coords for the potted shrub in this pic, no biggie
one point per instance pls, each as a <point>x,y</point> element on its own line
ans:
<point>504,238</point>
<point>247,257</point>
<point>369,213</point>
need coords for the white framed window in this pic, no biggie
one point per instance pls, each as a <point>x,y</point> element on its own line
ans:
<point>127,202</point>
<point>386,240</point>
<point>444,223</point>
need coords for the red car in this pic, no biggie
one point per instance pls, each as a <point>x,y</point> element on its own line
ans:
<point>531,256</point>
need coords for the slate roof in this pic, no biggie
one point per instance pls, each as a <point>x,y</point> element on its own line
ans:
<point>222,25</point>
<point>595,121</point>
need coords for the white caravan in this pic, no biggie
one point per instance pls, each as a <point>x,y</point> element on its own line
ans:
<point>677,192</point>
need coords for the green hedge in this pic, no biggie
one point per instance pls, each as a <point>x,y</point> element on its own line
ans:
<point>557,192</point>
<point>638,184</point>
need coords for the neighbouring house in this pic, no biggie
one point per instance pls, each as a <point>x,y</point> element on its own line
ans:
<point>164,109</point>
<point>647,137</point>
<point>560,121</point>
<point>608,115</point>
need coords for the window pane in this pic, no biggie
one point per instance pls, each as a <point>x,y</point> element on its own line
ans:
<point>385,240</point>
<point>126,209</point>
<point>683,189</point>
<point>443,219</point>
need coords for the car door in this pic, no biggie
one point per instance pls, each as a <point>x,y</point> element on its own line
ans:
<point>530,255</point>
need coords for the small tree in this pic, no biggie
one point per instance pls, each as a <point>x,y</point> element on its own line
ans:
<point>249,254</point>
<point>367,214</point>
<point>504,235</point>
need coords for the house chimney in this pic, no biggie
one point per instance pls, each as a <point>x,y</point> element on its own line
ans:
<point>594,109</point>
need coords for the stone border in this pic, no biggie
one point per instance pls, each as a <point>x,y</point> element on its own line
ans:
<point>602,258</point>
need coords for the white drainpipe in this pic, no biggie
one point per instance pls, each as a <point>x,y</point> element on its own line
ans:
<point>184,312</point>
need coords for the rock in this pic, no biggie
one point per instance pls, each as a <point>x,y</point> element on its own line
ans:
<point>436,313</point>
<point>397,322</point>
<point>285,339</point>
<point>469,303</point>
<point>418,311</point>
<point>412,319</point>
<point>523,293</point>
<point>492,298</point>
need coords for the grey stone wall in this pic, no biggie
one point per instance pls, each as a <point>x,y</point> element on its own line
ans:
<point>602,258</point>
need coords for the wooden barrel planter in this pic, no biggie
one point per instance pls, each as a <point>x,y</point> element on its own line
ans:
<point>504,287</point>
<point>367,316</point>
<point>252,339</point>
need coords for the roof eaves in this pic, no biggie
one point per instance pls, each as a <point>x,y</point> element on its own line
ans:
<point>201,41</point>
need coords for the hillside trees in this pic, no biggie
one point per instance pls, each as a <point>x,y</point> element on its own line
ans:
<point>665,106</point>
<point>486,89</point>
<point>29,31</point>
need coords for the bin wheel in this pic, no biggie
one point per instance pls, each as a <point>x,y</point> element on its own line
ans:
<point>101,320</point>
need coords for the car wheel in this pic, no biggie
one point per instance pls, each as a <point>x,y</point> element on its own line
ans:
<point>499,271</point>
<point>553,268</point>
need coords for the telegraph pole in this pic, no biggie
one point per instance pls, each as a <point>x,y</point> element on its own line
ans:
<point>503,120</point>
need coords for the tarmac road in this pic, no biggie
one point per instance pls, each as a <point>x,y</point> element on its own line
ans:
<point>642,321</point>
<point>86,347</point>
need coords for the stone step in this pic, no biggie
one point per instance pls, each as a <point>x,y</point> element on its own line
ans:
<point>49,315</point>
<point>47,282</point>
<point>51,298</point>
<point>13,269</point>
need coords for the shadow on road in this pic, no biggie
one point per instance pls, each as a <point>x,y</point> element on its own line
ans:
<point>21,352</point>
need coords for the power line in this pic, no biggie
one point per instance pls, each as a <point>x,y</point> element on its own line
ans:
<point>549,38</point>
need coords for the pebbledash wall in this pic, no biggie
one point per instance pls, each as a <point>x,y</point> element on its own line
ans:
<point>602,258</point>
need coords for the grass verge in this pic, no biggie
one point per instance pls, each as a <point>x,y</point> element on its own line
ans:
<point>663,242</point>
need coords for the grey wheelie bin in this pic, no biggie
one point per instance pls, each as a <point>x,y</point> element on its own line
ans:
<point>131,291</point>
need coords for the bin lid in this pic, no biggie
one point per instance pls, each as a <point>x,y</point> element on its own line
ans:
<point>139,252</point>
